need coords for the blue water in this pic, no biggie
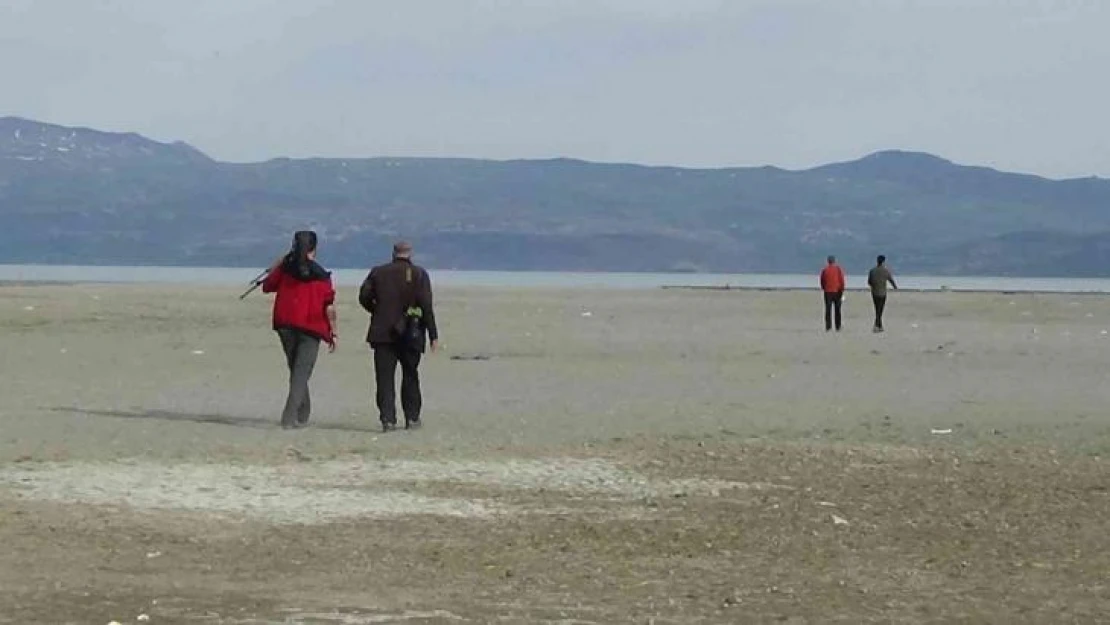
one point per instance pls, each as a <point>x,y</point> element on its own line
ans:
<point>540,279</point>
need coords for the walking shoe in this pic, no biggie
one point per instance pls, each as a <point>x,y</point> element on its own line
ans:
<point>414,424</point>
<point>388,427</point>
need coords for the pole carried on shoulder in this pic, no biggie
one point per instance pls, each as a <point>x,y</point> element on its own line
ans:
<point>257,282</point>
<point>260,278</point>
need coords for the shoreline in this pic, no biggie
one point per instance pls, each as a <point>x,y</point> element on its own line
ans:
<point>15,284</point>
<point>966,291</point>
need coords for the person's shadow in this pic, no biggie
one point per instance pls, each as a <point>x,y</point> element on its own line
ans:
<point>216,419</point>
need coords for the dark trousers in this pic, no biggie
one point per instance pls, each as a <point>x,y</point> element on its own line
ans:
<point>832,303</point>
<point>301,351</point>
<point>386,359</point>
<point>880,306</point>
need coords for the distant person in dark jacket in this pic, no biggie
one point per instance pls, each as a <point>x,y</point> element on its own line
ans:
<point>398,296</point>
<point>304,315</point>
<point>832,285</point>
<point>877,279</point>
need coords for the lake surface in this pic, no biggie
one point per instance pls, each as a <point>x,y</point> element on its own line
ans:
<point>541,279</point>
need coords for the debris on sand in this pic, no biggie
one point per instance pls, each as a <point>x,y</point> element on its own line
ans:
<point>839,520</point>
<point>198,352</point>
<point>471,357</point>
<point>293,453</point>
<point>28,308</point>
<point>587,314</point>
<point>826,504</point>
<point>944,346</point>
<point>439,616</point>
<point>944,431</point>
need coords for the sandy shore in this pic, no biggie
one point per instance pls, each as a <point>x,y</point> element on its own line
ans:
<point>600,456</point>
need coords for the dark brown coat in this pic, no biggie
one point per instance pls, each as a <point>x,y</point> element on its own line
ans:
<point>388,292</point>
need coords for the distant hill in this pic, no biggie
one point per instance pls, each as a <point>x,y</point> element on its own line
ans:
<point>75,195</point>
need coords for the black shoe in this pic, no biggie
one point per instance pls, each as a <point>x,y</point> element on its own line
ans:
<point>388,427</point>
<point>414,424</point>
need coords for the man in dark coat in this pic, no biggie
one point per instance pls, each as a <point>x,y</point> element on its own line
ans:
<point>398,296</point>
<point>877,279</point>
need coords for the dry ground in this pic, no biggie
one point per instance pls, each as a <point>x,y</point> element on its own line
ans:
<point>669,457</point>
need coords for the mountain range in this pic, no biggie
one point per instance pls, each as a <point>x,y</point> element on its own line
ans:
<point>81,196</point>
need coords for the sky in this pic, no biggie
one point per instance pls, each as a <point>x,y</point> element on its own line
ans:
<point>1019,85</point>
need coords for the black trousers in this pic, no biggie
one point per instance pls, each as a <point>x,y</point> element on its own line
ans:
<point>832,303</point>
<point>386,359</point>
<point>880,306</point>
<point>301,351</point>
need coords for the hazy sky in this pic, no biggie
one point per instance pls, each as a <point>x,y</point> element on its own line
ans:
<point>1018,84</point>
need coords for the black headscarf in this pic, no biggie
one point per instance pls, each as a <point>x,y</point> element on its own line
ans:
<point>297,263</point>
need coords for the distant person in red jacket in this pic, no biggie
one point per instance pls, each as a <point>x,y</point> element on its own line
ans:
<point>832,283</point>
<point>304,315</point>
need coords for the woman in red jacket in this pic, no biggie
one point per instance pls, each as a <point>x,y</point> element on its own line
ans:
<point>304,315</point>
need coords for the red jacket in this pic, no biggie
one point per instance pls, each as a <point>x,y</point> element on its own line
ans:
<point>832,279</point>
<point>301,305</point>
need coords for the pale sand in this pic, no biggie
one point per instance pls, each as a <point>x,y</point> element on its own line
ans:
<point>110,371</point>
<point>592,457</point>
